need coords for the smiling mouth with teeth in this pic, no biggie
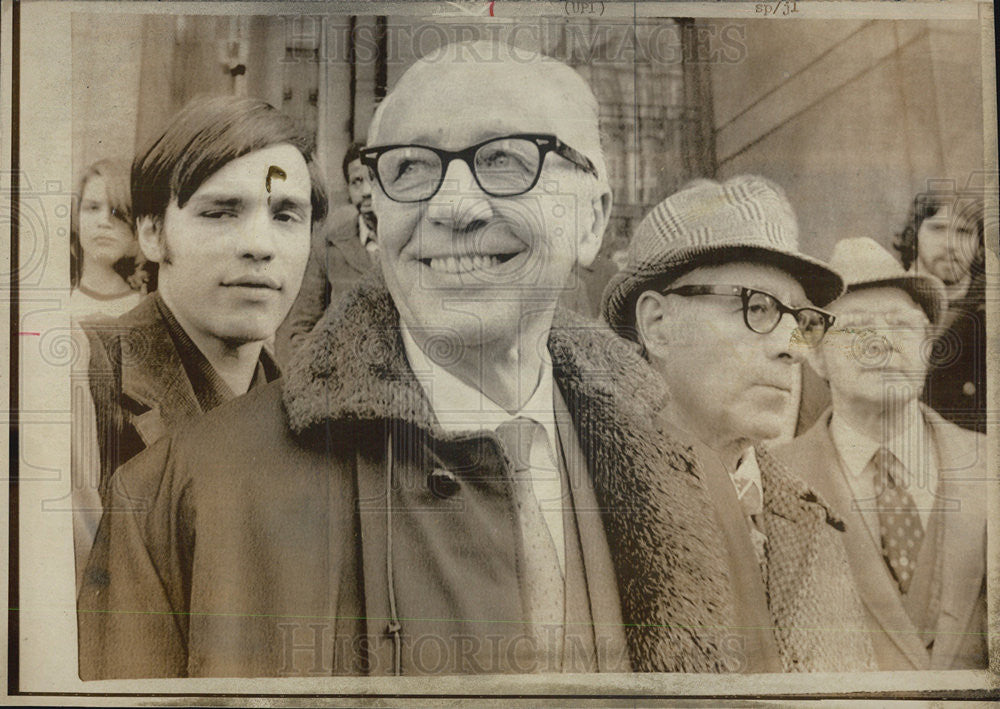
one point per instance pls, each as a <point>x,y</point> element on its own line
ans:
<point>465,264</point>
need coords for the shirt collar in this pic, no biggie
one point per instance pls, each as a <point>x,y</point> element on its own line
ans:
<point>749,488</point>
<point>907,442</point>
<point>365,234</point>
<point>460,407</point>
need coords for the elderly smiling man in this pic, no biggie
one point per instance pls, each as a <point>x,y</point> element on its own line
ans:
<point>455,477</point>
<point>722,302</point>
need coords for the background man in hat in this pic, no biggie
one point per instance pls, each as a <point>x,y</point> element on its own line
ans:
<point>342,253</point>
<point>454,477</point>
<point>722,303</point>
<point>910,486</point>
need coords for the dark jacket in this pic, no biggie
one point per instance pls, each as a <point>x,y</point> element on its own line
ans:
<point>956,382</point>
<point>258,542</point>
<point>960,628</point>
<point>138,382</point>
<point>337,261</point>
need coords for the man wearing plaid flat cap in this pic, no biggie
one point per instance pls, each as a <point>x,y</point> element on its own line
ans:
<point>910,486</point>
<point>725,306</point>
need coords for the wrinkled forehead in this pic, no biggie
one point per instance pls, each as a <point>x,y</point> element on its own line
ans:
<point>453,103</point>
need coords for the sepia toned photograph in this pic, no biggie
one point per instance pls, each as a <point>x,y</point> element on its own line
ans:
<point>471,351</point>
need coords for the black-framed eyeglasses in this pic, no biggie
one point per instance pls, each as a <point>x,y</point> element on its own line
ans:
<point>762,311</point>
<point>503,167</point>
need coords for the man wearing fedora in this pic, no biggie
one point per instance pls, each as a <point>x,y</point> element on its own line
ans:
<point>724,307</point>
<point>910,486</point>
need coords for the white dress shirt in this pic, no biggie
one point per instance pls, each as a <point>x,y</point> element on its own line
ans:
<point>460,407</point>
<point>910,441</point>
<point>749,488</point>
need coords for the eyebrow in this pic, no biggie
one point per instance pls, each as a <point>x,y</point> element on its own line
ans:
<point>230,201</point>
<point>497,133</point>
<point>283,203</point>
<point>217,200</point>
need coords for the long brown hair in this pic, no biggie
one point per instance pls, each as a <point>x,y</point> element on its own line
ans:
<point>119,194</point>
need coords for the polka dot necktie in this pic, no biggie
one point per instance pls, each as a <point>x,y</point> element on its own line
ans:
<point>899,521</point>
<point>542,575</point>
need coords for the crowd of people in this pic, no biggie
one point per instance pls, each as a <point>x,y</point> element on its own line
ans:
<point>435,431</point>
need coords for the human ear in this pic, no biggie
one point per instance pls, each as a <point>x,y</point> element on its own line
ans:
<point>597,217</point>
<point>149,232</point>
<point>651,321</point>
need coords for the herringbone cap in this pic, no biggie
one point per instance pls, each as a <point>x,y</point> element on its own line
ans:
<point>747,218</point>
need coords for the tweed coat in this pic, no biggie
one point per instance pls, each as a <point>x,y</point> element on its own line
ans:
<point>960,628</point>
<point>818,620</point>
<point>799,610</point>
<point>257,541</point>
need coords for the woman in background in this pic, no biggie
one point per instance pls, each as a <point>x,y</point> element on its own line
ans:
<point>103,247</point>
<point>106,284</point>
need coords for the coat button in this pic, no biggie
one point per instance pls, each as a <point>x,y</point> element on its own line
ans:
<point>969,389</point>
<point>442,483</point>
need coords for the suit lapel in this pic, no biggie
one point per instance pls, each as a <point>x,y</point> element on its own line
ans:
<point>963,564</point>
<point>875,585</point>
<point>349,245</point>
<point>611,650</point>
<point>153,375</point>
<point>753,614</point>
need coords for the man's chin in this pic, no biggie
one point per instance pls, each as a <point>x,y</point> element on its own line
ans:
<point>467,325</point>
<point>244,334</point>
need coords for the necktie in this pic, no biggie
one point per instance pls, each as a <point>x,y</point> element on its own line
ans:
<point>751,498</point>
<point>542,576</point>
<point>899,522</point>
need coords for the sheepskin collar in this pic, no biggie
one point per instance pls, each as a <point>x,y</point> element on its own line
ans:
<point>672,579</point>
<point>354,366</point>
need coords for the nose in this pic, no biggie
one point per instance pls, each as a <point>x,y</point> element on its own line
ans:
<point>257,241</point>
<point>784,343</point>
<point>460,204</point>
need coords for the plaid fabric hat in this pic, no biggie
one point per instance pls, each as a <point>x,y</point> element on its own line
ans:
<point>747,218</point>
<point>864,263</point>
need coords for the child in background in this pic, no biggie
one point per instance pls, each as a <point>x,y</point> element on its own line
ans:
<point>103,247</point>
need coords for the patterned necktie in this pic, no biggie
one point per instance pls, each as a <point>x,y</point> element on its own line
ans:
<point>751,498</point>
<point>542,575</point>
<point>899,522</point>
